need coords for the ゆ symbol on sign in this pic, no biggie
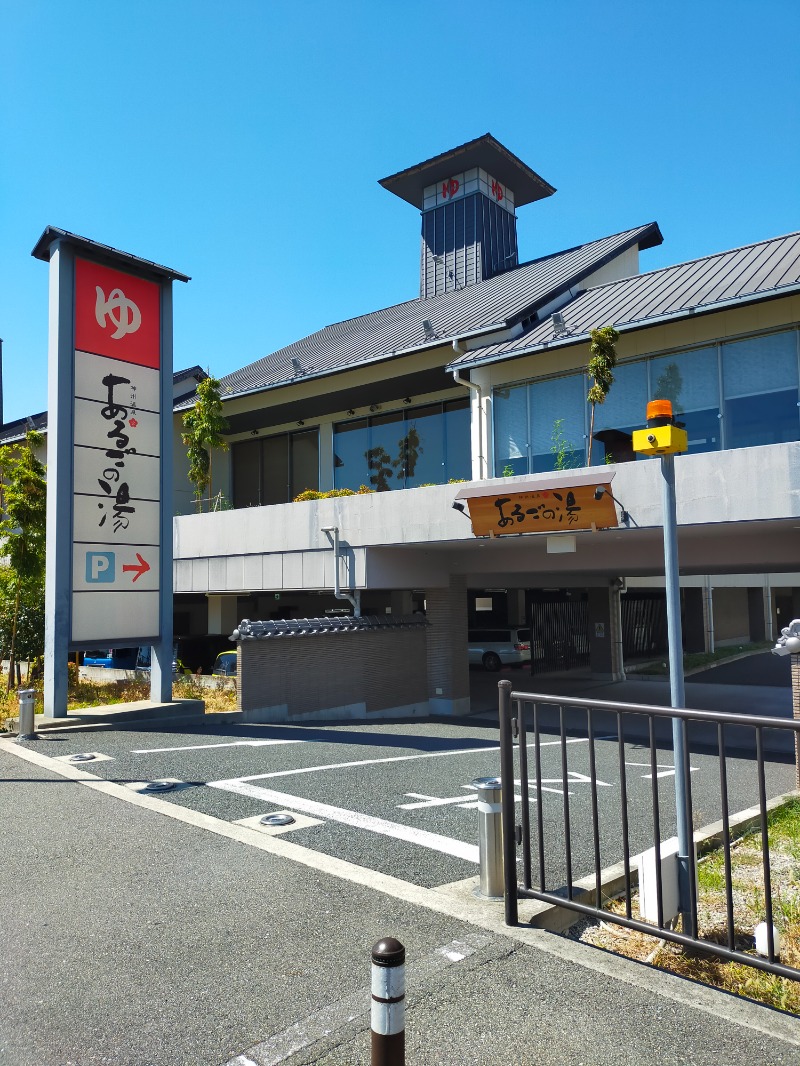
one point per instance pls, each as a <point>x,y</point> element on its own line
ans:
<point>128,317</point>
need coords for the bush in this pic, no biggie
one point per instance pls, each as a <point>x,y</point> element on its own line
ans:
<point>314,494</point>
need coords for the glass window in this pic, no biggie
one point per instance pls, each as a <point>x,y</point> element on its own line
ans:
<point>510,409</point>
<point>275,470</point>
<point>350,443</point>
<point>558,412</point>
<point>385,439</point>
<point>305,462</point>
<point>457,446</point>
<point>691,381</point>
<point>624,410</point>
<point>420,454</point>
<point>246,465</point>
<point>760,388</point>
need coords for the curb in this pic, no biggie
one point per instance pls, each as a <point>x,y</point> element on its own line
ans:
<point>557,919</point>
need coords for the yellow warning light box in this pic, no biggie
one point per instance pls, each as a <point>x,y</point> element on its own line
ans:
<point>660,440</point>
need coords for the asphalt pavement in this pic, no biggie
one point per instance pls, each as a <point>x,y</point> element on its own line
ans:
<point>170,929</point>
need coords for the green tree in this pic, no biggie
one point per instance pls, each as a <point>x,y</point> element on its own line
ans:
<point>204,427</point>
<point>23,527</point>
<point>409,450</point>
<point>602,361</point>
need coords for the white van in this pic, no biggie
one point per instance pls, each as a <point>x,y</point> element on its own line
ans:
<point>493,648</point>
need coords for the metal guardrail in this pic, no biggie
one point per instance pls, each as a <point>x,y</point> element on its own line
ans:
<point>516,708</point>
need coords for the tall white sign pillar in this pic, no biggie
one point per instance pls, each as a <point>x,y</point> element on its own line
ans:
<point>109,458</point>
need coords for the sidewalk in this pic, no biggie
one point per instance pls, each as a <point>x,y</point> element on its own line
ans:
<point>134,939</point>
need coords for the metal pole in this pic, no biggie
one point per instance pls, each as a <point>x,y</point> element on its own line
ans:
<point>676,682</point>
<point>490,836</point>
<point>26,712</point>
<point>387,1018</point>
<point>508,796</point>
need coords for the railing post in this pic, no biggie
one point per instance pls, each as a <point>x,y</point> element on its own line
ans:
<point>26,714</point>
<point>490,836</point>
<point>387,1017</point>
<point>507,793</point>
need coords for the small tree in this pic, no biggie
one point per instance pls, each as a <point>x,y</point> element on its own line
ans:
<point>603,359</point>
<point>23,527</point>
<point>204,426</point>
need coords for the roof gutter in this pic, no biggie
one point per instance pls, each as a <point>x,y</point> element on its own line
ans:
<point>478,392</point>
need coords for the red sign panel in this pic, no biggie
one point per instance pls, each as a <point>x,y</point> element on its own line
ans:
<point>117,314</point>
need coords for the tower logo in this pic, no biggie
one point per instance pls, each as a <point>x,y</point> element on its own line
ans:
<point>123,313</point>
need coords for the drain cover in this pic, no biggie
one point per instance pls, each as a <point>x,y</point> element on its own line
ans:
<point>82,756</point>
<point>277,819</point>
<point>159,786</point>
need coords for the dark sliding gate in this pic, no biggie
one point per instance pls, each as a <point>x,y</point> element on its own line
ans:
<point>559,634</point>
<point>644,625</point>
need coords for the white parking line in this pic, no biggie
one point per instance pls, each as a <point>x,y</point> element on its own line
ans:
<point>446,845</point>
<point>226,744</point>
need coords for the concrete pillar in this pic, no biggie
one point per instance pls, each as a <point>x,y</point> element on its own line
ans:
<point>222,614</point>
<point>755,612</point>
<point>694,620</point>
<point>448,669</point>
<point>605,633</point>
<point>516,607</point>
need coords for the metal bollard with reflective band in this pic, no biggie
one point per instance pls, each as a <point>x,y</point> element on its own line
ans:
<point>26,713</point>
<point>490,836</point>
<point>388,1003</point>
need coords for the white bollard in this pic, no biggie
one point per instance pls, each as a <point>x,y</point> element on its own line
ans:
<point>387,1017</point>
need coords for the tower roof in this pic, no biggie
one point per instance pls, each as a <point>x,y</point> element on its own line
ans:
<point>485,152</point>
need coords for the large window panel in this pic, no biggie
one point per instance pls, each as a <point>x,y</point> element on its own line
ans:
<point>246,465</point>
<point>625,407</point>
<point>350,445</point>
<point>275,470</point>
<point>304,461</point>
<point>457,445</point>
<point>558,413</point>
<point>385,447</point>
<point>420,458</point>
<point>690,380</point>
<point>510,410</point>
<point>759,378</point>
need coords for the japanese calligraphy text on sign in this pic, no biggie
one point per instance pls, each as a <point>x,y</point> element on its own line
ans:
<point>546,510</point>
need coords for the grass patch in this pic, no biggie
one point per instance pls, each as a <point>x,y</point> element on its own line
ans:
<point>747,880</point>
<point>85,693</point>
<point>699,660</point>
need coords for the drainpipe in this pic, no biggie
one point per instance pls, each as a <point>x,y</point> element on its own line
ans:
<point>473,387</point>
<point>337,592</point>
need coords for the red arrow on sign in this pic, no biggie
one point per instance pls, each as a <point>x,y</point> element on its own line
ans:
<point>142,567</point>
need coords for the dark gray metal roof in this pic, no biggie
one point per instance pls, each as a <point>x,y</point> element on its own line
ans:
<point>755,272</point>
<point>309,627</point>
<point>103,252</point>
<point>484,307</point>
<point>484,152</point>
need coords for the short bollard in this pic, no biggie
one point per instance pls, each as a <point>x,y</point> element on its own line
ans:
<point>387,1017</point>
<point>26,712</point>
<point>490,836</point>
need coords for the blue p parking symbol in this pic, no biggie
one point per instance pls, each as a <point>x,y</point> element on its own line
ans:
<point>100,567</point>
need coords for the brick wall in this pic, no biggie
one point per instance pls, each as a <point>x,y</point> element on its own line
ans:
<point>446,612</point>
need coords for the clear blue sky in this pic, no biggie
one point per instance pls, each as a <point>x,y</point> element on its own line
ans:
<point>241,143</point>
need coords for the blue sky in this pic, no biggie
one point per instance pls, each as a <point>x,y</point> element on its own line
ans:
<point>242,143</point>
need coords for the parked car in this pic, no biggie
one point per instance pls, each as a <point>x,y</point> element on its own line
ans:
<point>493,648</point>
<point>226,664</point>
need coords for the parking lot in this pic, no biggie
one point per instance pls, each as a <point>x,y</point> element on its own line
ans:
<point>394,798</point>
